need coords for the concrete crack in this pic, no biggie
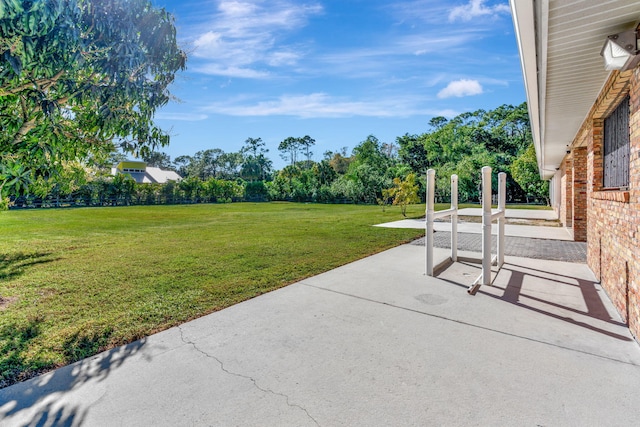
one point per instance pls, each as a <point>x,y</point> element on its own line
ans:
<point>239,375</point>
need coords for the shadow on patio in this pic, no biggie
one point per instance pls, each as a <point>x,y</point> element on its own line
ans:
<point>572,299</point>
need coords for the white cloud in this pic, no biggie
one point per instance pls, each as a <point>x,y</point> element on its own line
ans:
<point>246,18</point>
<point>234,72</point>
<point>417,11</point>
<point>242,34</point>
<point>209,42</point>
<point>236,8</point>
<point>187,117</point>
<point>321,105</point>
<point>403,56</point>
<point>460,88</point>
<point>445,113</point>
<point>475,9</point>
<point>277,59</point>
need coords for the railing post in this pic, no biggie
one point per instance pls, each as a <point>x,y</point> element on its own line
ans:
<point>486,225</point>
<point>502,197</point>
<point>430,209</point>
<point>454,218</point>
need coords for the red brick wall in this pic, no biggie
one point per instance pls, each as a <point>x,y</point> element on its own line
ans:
<point>613,216</point>
<point>579,198</point>
<point>566,204</point>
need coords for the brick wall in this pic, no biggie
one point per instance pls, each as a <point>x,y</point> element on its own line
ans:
<point>579,190</point>
<point>613,216</point>
<point>566,192</point>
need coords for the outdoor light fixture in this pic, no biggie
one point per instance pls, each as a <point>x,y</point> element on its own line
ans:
<point>620,51</point>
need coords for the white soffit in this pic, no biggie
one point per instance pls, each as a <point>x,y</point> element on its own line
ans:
<point>564,38</point>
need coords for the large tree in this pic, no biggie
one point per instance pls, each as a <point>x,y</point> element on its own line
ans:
<point>77,76</point>
<point>306,142</point>
<point>289,147</point>
<point>467,142</point>
<point>525,172</point>
<point>255,164</point>
<point>204,164</point>
<point>158,160</point>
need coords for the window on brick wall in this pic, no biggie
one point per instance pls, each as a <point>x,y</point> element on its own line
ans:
<point>616,147</point>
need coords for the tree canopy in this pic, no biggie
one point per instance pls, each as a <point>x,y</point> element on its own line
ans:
<point>255,165</point>
<point>374,171</point>
<point>291,147</point>
<point>465,143</point>
<point>525,172</point>
<point>78,75</point>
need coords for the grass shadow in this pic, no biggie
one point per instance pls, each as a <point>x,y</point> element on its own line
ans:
<point>14,340</point>
<point>79,345</point>
<point>35,400</point>
<point>13,264</point>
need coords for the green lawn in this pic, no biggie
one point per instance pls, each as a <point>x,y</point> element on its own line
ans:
<point>74,282</point>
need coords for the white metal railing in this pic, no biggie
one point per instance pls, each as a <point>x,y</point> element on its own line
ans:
<point>432,215</point>
<point>487,219</point>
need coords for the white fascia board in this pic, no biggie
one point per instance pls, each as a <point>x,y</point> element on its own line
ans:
<point>524,21</point>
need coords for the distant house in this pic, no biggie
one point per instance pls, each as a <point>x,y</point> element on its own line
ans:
<point>143,173</point>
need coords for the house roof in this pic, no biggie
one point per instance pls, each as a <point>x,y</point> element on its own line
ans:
<point>560,43</point>
<point>161,176</point>
<point>145,174</point>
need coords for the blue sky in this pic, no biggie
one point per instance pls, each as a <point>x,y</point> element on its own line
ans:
<point>337,70</point>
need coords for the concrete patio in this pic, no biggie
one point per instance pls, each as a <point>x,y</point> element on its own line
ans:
<point>374,342</point>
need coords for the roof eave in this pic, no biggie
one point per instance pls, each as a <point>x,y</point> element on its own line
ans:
<point>524,20</point>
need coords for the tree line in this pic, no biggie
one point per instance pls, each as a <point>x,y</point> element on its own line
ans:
<point>373,172</point>
<point>80,79</point>
<point>500,138</point>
